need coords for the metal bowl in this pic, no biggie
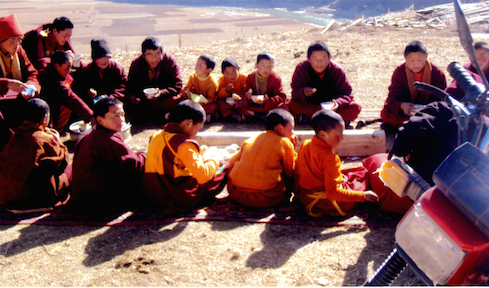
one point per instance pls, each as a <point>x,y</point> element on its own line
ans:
<point>79,129</point>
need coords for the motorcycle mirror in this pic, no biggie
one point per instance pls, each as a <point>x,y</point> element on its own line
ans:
<point>466,40</point>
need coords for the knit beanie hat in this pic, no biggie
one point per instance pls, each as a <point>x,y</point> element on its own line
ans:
<point>9,26</point>
<point>100,49</point>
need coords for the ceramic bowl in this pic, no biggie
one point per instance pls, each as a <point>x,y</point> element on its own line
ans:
<point>258,99</point>
<point>327,105</point>
<point>151,92</point>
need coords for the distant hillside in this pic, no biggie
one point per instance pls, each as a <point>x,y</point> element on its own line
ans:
<point>368,8</point>
<point>344,8</point>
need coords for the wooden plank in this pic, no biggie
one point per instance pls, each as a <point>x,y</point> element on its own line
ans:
<point>356,143</point>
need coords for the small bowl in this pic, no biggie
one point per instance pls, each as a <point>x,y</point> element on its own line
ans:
<point>258,99</point>
<point>198,98</point>
<point>151,92</point>
<point>79,129</point>
<point>328,105</point>
<point>230,101</point>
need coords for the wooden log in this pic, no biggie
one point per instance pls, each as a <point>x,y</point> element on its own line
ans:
<point>328,26</point>
<point>356,143</point>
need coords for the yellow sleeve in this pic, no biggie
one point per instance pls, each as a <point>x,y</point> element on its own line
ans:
<point>191,158</point>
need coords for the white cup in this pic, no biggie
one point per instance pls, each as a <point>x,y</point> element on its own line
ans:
<point>76,60</point>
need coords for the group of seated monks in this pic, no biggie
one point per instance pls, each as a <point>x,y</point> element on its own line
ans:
<point>52,88</point>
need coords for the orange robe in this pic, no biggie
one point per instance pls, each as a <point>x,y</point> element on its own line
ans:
<point>224,108</point>
<point>176,178</point>
<point>260,170</point>
<point>319,181</point>
<point>238,88</point>
<point>206,87</point>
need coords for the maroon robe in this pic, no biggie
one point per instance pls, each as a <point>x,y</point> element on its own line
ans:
<point>58,95</point>
<point>333,86</point>
<point>32,169</point>
<point>11,109</point>
<point>106,174</point>
<point>112,82</point>
<point>399,92</point>
<point>275,92</point>
<point>33,44</point>
<point>167,78</point>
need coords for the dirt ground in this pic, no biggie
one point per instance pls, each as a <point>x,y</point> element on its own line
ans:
<point>232,253</point>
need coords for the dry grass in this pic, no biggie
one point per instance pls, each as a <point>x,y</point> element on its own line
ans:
<point>231,253</point>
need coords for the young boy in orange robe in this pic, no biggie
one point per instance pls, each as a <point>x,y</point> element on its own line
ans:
<point>176,177</point>
<point>262,171</point>
<point>263,82</point>
<point>320,185</point>
<point>231,82</point>
<point>203,83</point>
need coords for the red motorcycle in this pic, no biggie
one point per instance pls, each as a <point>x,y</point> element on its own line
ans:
<point>444,237</point>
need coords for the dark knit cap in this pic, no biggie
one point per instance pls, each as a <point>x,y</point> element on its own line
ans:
<point>100,48</point>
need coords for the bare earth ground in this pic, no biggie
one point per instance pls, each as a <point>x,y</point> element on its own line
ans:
<point>231,253</point>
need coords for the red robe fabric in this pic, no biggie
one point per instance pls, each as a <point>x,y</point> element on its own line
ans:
<point>58,95</point>
<point>32,169</point>
<point>33,44</point>
<point>275,92</point>
<point>167,78</point>
<point>5,131</point>
<point>3,86</point>
<point>11,110</point>
<point>456,91</point>
<point>29,72</point>
<point>333,86</point>
<point>399,92</point>
<point>111,83</point>
<point>106,174</point>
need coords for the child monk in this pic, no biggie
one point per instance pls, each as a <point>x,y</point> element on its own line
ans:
<point>262,171</point>
<point>106,173</point>
<point>176,177</point>
<point>33,164</point>
<point>102,76</point>
<point>263,82</point>
<point>231,82</point>
<point>59,95</point>
<point>319,79</point>
<point>399,105</point>
<point>203,83</point>
<point>320,185</point>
